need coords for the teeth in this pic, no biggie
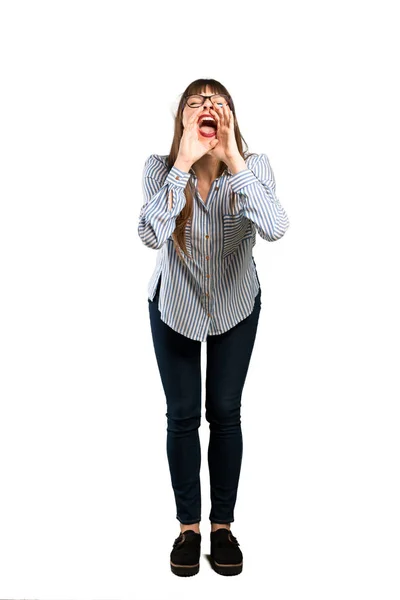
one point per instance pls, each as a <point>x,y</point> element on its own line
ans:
<point>207,119</point>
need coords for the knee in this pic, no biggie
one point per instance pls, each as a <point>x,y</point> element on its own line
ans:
<point>223,414</point>
<point>183,418</point>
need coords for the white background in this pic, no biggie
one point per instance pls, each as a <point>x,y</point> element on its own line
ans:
<point>88,92</point>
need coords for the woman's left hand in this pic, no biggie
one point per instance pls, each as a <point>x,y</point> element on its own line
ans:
<point>226,148</point>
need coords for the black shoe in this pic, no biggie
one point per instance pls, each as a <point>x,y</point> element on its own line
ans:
<point>185,554</point>
<point>226,556</point>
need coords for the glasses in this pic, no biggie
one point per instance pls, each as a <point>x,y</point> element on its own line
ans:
<point>196,100</point>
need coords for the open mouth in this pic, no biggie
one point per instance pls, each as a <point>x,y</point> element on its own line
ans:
<point>207,126</point>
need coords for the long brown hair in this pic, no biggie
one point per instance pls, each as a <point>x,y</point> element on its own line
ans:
<point>196,87</point>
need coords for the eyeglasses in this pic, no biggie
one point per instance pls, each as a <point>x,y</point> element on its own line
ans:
<point>196,100</point>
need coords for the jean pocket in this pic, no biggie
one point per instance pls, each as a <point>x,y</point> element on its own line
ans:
<point>237,228</point>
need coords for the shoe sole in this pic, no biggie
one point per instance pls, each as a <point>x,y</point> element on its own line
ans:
<point>185,570</point>
<point>226,569</point>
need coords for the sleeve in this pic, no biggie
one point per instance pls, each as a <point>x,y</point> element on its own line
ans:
<point>164,198</point>
<point>256,189</point>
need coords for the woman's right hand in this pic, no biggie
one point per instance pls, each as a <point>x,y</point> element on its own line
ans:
<point>191,148</point>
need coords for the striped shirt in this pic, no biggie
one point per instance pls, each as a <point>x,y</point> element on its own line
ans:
<point>215,288</point>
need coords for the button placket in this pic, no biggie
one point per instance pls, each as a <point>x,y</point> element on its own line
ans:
<point>206,268</point>
<point>205,207</point>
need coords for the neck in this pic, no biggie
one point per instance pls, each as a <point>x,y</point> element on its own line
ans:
<point>206,168</point>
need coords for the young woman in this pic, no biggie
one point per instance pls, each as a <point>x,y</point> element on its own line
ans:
<point>204,204</point>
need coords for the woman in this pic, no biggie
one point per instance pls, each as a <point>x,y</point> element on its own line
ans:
<point>204,204</point>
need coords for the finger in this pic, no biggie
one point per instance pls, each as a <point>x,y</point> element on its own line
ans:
<point>192,125</point>
<point>220,114</point>
<point>224,111</point>
<point>213,144</point>
<point>227,112</point>
<point>190,120</point>
<point>231,119</point>
<point>193,118</point>
<point>216,116</point>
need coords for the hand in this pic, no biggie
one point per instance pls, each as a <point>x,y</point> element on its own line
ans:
<point>226,149</point>
<point>191,148</point>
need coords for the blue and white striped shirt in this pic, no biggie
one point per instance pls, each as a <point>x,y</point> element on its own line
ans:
<point>215,288</point>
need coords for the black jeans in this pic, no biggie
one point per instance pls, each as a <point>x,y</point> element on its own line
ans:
<point>179,363</point>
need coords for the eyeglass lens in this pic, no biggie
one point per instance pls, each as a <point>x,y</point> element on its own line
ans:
<point>196,100</point>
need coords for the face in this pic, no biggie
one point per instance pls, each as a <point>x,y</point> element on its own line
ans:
<point>205,132</point>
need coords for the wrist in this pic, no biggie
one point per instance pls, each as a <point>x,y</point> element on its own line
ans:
<point>183,164</point>
<point>236,163</point>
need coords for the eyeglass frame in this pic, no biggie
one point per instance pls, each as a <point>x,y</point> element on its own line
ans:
<point>229,99</point>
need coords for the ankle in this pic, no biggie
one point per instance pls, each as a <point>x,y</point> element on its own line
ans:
<point>215,526</point>
<point>194,526</point>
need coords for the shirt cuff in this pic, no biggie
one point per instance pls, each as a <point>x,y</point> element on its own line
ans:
<point>241,179</point>
<point>177,177</point>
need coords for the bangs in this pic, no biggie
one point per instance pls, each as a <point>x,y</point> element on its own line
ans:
<point>198,87</point>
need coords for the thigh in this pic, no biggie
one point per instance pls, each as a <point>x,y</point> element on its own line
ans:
<point>228,356</point>
<point>178,359</point>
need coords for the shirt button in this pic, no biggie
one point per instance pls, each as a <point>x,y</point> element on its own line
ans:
<point>207,275</point>
<point>217,187</point>
<point>207,258</point>
<point>177,177</point>
<point>209,314</point>
<point>207,236</point>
